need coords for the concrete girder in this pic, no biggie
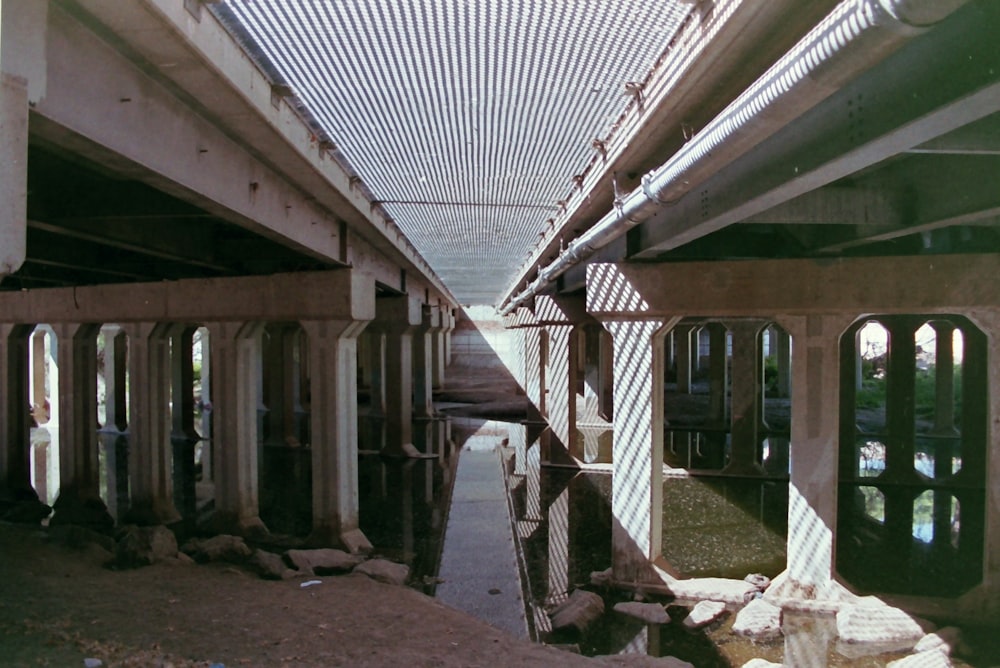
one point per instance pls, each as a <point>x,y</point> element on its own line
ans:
<point>340,294</point>
<point>860,125</point>
<point>197,58</point>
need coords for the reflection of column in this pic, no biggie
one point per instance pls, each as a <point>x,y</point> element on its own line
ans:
<point>112,435</point>
<point>423,361</point>
<point>79,500</point>
<point>334,427</point>
<point>397,317</point>
<point>637,482</point>
<point>15,423</point>
<point>747,402</point>
<point>815,435</point>
<point>683,355</point>
<point>559,549</point>
<point>236,362</point>
<point>150,452</point>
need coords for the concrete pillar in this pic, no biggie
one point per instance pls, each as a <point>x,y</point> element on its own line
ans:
<point>112,435</point>
<point>13,155</point>
<point>15,428</point>
<point>747,402</point>
<point>398,317</point>
<point>423,362</point>
<point>79,500</point>
<point>718,374</point>
<point>637,482</point>
<point>236,361</point>
<point>815,436</point>
<point>944,383</point>
<point>563,319</point>
<point>449,325</point>
<point>279,419</point>
<point>606,376</point>
<point>183,436</point>
<point>150,450</point>
<point>334,429</point>
<point>207,436</point>
<point>375,351</point>
<point>534,340</point>
<point>683,354</point>
<point>783,354</point>
<point>438,348</point>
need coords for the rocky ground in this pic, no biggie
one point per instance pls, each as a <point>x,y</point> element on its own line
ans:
<point>60,605</point>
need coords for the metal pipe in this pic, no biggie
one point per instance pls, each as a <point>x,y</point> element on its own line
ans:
<point>854,37</point>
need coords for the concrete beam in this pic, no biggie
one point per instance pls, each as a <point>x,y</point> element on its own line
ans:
<point>341,294</point>
<point>927,284</point>
<point>200,61</point>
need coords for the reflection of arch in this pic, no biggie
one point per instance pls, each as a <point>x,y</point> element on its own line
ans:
<point>921,456</point>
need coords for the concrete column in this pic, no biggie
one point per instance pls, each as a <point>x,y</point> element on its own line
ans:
<point>563,319</point>
<point>334,428</point>
<point>718,374</point>
<point>637,482</point>
<point>944,384</point>
<point>79,500</point>
<point>183,436</point>
<point>815,436</point>
<point>207,436</point>
<point>438,351</point>
<point>683,354</point>
<point>13,159</point>
<point>534,364</point>
<point>112,434</point>
<point>784,357</point>
<point>150,450</point>
<point>236,361</point>
<point>281,386</point>
<point>375,351</point>
<point>18,499</point>
<point>449,326</point>
<point>398,317</point>
<point>606,376</point>
<point>423,362</point>
<point>747,402</point>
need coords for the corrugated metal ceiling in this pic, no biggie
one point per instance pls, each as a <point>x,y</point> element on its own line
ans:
<point>466,119</point>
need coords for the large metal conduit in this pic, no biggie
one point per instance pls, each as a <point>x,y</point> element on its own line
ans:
<point>854,37</point>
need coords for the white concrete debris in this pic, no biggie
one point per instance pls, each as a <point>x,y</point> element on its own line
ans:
<point>761,663</point>
<point>714,589</point>
<point>934,658</point>
<point>871,620</point>
<point>704,613</point>
<point>759,619</point>
<point>946,640</point>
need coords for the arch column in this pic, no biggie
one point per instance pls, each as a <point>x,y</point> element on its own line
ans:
<point>333,353</point>
<point>236,360</point>
<point>79,500</point>
<point>398,317</point>
<point>150,451</point>
<point>423,361</point>
<point>18,499</point>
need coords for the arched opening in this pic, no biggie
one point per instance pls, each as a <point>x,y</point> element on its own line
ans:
<point>911,501</point>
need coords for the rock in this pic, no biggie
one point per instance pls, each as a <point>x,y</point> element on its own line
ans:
<point>322,561</point>
<point>714,589</point>
<point>80,537</point>
<point>26,511</point>
<point>935,658</point>
<point>385,571</point>
<point>578,612</point>
<point>704,613</point>
<point>946,640</point>
<point>219,548</point>
<point>758,620</point>
<point>92,663</point>
<point>601,578</point>
<point>651,613</point>
<point>641,661</point>
<point>761,582</point>
<point>269,566</point>
<point>143,546</point>
<point>761,663</point>
<point>874,621</point>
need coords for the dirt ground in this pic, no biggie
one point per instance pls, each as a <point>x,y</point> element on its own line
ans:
<point>59,606</point>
